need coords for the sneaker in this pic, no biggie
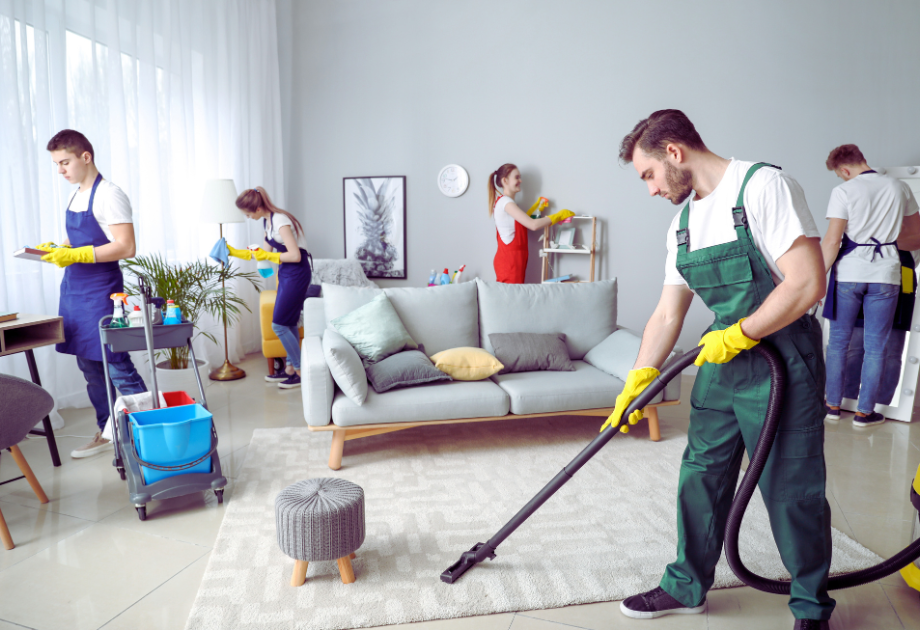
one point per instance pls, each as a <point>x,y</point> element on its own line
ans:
<point>98,445</point>
<point>832,415</point>
<point>291,382</point>
<point>656,603</point>
<point>277,377</point>
<point>811,624</point>
<point>868,421</point>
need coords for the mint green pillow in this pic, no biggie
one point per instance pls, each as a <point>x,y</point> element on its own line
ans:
<point>374,330</point>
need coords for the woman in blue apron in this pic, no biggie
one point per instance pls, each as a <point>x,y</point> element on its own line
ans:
<point>284,235</point>
<point>88,284</point>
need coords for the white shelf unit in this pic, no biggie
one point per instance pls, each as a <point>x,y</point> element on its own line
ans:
<point>589,249</point>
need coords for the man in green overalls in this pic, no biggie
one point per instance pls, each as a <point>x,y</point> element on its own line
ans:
<point>747,244</point>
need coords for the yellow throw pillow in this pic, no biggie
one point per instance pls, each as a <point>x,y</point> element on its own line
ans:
<point>467,364</point>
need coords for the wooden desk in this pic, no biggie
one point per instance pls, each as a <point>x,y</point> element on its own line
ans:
<point>24,334</point>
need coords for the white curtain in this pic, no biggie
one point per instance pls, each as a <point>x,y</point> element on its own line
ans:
<point>170,93</point>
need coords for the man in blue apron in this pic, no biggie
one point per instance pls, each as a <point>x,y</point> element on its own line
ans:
<point>868,215</point>
<point>747,244</point>
<point>100,232</point>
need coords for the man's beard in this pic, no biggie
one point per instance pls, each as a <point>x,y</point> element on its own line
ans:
<point>680,183</point>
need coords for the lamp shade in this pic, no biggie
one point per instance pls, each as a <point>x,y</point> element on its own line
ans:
<point>218,203</point>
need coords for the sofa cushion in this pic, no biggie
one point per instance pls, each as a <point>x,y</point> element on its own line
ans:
<point>544,392</point>
<point>346,366</point>
<point>374,329</point>
<point>467,363</point>
<point>403,369</point>
<point>439,317</point>
<point>529,352</point>
<point>338,301</point>
<point>586,312</point>
<point>438,401</point>
<point>617,354</point>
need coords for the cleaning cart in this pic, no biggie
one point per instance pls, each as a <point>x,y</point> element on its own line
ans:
<point>162,452</point>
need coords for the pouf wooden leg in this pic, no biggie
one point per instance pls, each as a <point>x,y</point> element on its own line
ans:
<point>345,570</point>
<point>300,573</point>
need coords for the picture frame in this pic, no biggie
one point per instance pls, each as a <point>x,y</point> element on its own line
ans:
<point>374,211</point>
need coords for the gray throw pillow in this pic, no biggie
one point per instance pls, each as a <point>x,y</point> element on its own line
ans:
<point>529,352</point>
<point>403,369</point>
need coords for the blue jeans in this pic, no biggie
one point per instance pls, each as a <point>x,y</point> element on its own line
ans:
<point>878,302</point>
<point>290,339</point>
<point>121,374</point>
<point>891,371</point>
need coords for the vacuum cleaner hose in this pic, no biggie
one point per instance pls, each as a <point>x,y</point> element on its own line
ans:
<point>749,482</point>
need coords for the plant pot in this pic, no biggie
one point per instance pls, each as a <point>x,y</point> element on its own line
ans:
<point>183,380</point>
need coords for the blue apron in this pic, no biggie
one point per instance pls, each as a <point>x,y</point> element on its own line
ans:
<point>847,246</point>
<point>86,288</point>
<point>293,282</point>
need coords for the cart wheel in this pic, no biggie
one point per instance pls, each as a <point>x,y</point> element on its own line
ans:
<point>142,512</point>
<point>121,471</point>
<point>220,496</point>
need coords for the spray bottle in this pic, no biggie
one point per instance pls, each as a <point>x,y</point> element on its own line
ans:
<point>459,273</point>
<point>433,278</point>
<point>118,316</point>
<point>445,278</point>
<point>265,268</point>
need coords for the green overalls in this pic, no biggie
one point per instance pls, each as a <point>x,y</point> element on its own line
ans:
<point>728,408</point>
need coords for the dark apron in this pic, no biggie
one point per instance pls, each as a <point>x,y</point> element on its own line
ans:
<point>847,246</point>
<point>86,288</point>
<point>728,406</point>
<point>904,311</point>
<point>293,282</point>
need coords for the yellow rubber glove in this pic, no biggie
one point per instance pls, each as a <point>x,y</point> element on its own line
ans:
<point>261,254</point>
<point>636,381</point>
<point>242,254</point>
<point>50,245</point>
<point>562,215</point>
<point>721,346</point>
<point>64,256</point>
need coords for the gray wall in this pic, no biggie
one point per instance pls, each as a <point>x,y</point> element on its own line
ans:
<point>404,87</point>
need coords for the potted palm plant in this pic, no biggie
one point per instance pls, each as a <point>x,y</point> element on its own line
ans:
<point>196,288</point>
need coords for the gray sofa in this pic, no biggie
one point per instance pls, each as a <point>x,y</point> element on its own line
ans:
<point>466,314</point>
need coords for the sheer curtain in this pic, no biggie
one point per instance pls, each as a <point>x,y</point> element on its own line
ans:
<point>170,93</point>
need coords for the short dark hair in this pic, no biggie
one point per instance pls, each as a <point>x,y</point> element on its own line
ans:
<point>73,141</point>
<point>656,132</point>
<point>843,155</point>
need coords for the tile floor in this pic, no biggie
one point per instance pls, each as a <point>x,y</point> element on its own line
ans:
<point>84,560</point>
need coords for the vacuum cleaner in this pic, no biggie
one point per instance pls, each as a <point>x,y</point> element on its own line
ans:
<point>903,560</point>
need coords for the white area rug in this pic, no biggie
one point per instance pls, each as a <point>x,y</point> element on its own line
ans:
<point>431,493</point>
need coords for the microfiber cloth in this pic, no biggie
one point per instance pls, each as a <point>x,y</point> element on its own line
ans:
<point>219,252</point>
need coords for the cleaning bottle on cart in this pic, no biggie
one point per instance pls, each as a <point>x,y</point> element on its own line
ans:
<point>445,278</point>
<point>173,314</point>
<point>433,278</point>
<point>118,316</point>
<point>136,317</point>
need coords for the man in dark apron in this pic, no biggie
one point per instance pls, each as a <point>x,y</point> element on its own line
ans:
<point>747,244</point>
<point>92,274</point>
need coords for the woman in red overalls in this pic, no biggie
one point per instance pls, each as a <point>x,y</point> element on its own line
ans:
<point>510,221</point>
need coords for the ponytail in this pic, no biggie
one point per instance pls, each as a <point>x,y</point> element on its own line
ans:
<point>495,179</point>
<point>255,198</point>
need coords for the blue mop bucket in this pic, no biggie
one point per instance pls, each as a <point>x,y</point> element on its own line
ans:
<point>172,436</point>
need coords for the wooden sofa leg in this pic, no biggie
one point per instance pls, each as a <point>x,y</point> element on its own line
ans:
<point>271,365</point>
<point>654,431</point>
<point>338,449</point>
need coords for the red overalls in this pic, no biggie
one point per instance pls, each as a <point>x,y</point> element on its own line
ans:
<point>511,259</point>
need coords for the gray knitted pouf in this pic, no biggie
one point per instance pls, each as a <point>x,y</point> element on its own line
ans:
<point>320,519</point>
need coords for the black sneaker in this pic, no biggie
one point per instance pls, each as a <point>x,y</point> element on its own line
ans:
<point>291,382</point>
<point>811,624</point>
<point>277,377</point>
<point>868,421</point>
<point>832,415</point>
<point>656,603</point>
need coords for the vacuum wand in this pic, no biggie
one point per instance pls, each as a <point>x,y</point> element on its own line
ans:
<point>481,551</point>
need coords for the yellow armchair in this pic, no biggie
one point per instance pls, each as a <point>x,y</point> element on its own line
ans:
<point>271,345</point>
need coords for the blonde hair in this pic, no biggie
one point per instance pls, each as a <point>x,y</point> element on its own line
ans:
<point>255,199</point>
<point>495,179</point>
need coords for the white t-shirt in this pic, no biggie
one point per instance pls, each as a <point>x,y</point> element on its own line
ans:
<point>278,221</point>
<point>873,205</point>
<point>504,222</point>
<point>776,210</point>
<point>110,205</point>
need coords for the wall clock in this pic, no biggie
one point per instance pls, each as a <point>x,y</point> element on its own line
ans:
<point>453,180</point>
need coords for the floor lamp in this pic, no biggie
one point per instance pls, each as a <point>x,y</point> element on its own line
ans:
<point>218,205</point>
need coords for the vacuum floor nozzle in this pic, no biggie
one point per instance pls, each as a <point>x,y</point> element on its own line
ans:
<point>467,561</point>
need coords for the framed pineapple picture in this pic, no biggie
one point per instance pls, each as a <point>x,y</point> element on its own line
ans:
<point>375,224</point>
